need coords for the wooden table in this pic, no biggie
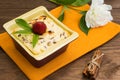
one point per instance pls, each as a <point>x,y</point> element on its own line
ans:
<point>110,69</point>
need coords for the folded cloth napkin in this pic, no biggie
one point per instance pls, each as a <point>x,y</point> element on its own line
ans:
<point>82,45</point>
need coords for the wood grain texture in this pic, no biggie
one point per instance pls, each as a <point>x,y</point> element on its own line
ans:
<point>110,69</point>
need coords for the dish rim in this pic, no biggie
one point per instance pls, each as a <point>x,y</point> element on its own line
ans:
<point>56,47</point>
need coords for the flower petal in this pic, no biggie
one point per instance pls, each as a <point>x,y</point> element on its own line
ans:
<point>97,2</point>
<point>98,15</point>
<point>107,7</point>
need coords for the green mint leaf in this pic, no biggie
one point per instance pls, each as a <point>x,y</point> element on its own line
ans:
<point>65,2</point>
<point>54,1</point>
<point>83,25</point>
<point>80,2</point>
<point>23,24</point>
<point>35,39</point>
<point>83,12</point>
<point>24,32</point>
<point>61,17</point>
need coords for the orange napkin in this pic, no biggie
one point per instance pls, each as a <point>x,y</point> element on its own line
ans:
<point>77,48</point>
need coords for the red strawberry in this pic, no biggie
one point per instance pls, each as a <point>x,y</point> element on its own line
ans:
<point>39,28</point>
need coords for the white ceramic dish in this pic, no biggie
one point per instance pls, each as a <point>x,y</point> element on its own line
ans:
<point>9,26</point>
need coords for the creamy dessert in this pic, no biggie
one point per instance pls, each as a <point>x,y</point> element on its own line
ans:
<point>39,36</point>
<point>47,37</point>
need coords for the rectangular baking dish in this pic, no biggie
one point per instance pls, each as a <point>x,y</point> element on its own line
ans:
<point>57,49</point>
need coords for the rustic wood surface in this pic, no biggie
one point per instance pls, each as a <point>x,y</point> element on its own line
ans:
<point>110,69</point>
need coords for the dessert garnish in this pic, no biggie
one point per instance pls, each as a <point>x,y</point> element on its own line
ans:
<point>92,68</point>
<point>98,15</point>
<point>39,34</point>
<point>39,28</point>
<point>36,29</point>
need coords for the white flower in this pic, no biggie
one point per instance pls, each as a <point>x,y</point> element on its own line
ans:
<point>99,14</point>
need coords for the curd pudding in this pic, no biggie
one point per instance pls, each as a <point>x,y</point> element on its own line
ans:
<point>39,36</point>
<point>52,35</point>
